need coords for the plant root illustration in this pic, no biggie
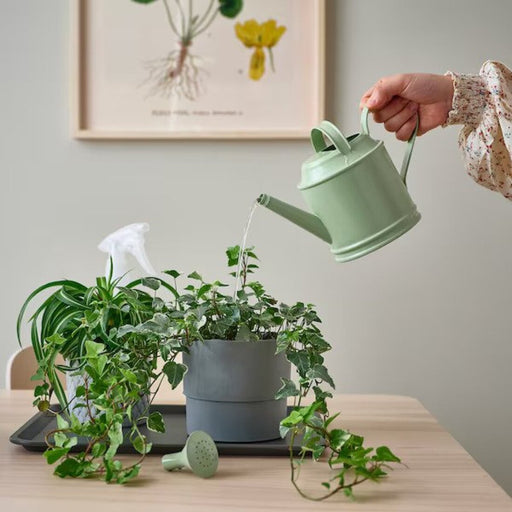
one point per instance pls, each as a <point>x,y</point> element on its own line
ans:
<point>181,73</point>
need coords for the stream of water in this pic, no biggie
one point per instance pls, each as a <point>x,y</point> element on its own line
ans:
<point>242,248</point>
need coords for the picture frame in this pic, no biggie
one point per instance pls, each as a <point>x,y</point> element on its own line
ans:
<point>126,58</point>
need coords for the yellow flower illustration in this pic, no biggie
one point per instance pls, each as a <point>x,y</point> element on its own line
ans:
<point>258,36</point>
<point>271,33</point>
<point>257,64</point>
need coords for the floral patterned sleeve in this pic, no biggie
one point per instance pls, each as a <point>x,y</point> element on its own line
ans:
<point>483,104</point>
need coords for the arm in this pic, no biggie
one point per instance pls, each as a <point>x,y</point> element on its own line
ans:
<point>482,103</point>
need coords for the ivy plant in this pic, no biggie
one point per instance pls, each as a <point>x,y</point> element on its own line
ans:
<point>93,329</point>
<point>252,314</point>
<point>349,461</point>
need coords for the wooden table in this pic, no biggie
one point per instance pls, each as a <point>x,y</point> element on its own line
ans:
<point>440,475</point>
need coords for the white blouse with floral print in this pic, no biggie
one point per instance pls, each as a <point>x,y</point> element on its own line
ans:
<point>483,104</point>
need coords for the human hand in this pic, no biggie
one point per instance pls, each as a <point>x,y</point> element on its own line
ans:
<point>397,100</point>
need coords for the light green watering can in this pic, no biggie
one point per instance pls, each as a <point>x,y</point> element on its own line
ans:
<point>359,200</point>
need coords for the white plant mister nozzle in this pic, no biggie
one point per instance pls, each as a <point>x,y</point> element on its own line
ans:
<point>128,240</point>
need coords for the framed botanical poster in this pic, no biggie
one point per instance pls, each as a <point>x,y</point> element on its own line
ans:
<point>198,68</point>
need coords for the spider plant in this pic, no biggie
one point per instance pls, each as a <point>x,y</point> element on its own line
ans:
<point>75,313</point>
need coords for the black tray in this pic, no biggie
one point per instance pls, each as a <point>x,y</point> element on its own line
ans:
<point>31,436</point>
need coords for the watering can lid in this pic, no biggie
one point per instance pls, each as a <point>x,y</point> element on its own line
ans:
<point>343,153</point>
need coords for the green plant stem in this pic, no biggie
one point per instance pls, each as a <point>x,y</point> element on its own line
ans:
<point>141,458</point>
<point>170,19</point>
<point>182,16</point>
<point>177,305</point>
<point>215,305</point>
<point>204,16</point>
<point>87,403</point>
<point>199,29</point>
<point>161,377</point>
<point>52,433</point>
<point>271,58</point>
<point>294,477</point>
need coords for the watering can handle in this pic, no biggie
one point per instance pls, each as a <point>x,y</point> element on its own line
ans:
<point>327,129</point>
<point>410,143</point>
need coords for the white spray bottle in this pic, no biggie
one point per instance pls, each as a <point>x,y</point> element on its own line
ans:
<point>123,242</point>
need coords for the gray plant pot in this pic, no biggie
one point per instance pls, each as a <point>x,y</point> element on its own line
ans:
<point>230,388</point>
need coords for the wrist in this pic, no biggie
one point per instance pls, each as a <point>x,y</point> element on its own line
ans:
<point>449,89</point>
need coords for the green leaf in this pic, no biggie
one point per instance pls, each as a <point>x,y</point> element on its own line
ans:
<point>348,492</point>
<point>309,411</point>
<point>318,343</point>
<point>317,451</point>
<point>233,254</point>
<point>129,375</point>
<point>62,424</point>
<point>328,421</point>
<point>283,342</point>
<point>115,434</point>
<point>138,444</point>
<point>123,330</point>
<point>128,292</point>
<point>320,394</point>
<point>60,439</point>
<point>93,349</point>
<point>283,431</point>
<point>175,372</point>
<point>377,473</point>
<point>52,455</point>
<point>41,390</point>
<point>257,288</point>
<point>196,276</point>
<point>101,362</point>
<point>384,454</point>
<point>157,304</point>
<point>293,419</point>
<point>39,375</point>
<point>320,372</point>
<point>338,437</point>
<point>155,422</point>
<point>203,290</point>
<point>70,467</point>
<point>150,282</point>
<point>287,389</point>
<point>144,1</point>
<point>56,338</point>
<point>98,449</point>
<point>125,476</point>
<point>67,298</point>
<point>301,361</point>
<point>165,350</point>
<point>363,471</point>
<point>141,445</point>
<point>243,333</point>
<point>80,391</point>
<point>173,273</point>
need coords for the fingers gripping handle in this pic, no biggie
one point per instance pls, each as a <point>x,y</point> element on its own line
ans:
<point>408,150</point>
<point>327,129</point>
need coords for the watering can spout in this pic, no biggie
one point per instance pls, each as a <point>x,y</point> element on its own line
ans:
<point>305,220</point>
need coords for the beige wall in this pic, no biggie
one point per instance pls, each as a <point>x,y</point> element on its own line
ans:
<point>428,316</point>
